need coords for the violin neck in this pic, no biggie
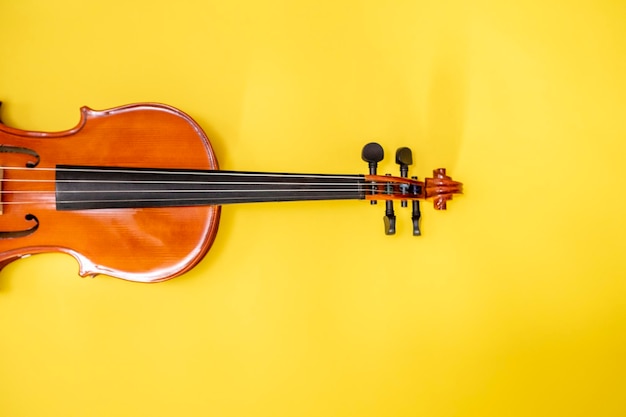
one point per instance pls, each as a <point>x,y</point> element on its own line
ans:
<point>83,187</point>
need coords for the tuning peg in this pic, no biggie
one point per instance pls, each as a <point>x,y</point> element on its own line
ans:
<point>390,217</point>
<point>416,216</point>
<point>404,158</point>
<point>373,153</point>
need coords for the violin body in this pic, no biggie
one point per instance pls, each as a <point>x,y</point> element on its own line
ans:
<point>137,244</point>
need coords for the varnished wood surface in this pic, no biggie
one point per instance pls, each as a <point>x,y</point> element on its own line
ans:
<point>144,245</point>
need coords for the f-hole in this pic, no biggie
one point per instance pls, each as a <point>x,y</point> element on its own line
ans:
<point>24,151</point>
<point>22,233</point>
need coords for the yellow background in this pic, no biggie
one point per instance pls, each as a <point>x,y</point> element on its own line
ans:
<point>513,303</point>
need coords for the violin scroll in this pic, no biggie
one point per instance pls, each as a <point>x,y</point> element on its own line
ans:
<point>441,188</point>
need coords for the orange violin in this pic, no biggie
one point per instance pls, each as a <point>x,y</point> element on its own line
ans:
<point>135,192</point>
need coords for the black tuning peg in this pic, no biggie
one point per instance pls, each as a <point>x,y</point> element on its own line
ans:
<point>373,153</point>
<point>416,215</point>
<point>404,158</point>
<point>390,217</point>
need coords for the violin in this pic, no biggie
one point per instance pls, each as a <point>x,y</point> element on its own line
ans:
<point>134,192</point>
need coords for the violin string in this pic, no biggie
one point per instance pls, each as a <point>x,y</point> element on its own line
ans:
<point>354,181</point>
<point>190,171</point>
<point>165,190</point>
<point>302,194</point>
<point>213,200</point>
<point>350,178</point>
